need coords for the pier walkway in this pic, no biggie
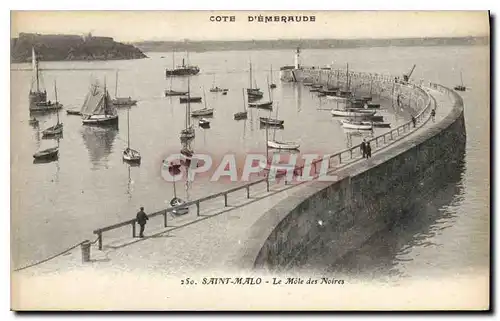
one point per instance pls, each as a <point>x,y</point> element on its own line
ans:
<point>211,241</point>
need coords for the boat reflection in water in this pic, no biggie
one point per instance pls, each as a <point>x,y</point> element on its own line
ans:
<point>99,142</point>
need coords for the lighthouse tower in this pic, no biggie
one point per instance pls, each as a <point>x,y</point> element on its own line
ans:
<point>297,58</point>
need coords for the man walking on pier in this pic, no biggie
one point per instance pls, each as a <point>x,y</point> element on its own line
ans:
<point>141,219</point>
<point>368,150</point>
<point>414,121</point>
<point>363,148</point>
<point>433,115</point>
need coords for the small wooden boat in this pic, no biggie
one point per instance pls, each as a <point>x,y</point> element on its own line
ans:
<point>315,90</point>
<point>184,100</point>
<point>378,118</point>
<point>308,84</point>
<point>204,123</point>
<point>49,153</point>
<point>202,112</point>
<point>359,125</point>
<point>170,92</point>
<point>272,86</point>
<point>317,86</point>
<point>255,94</point>
<point>179,210</point>
<point>33,121</point>
<point>217,89</point>
<point>271,121</point>
<point>53,130</point>
<point>131,155</point>
<point>282,145</point>
<point>262,105</point>
<point>242,114</point>
<point>73,112</point>
<point>224,93</point>
<point>336,98</point>
<point>123,101</point>
<point>352,113</point>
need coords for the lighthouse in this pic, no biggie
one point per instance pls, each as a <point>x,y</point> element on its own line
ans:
<point>297,58</point>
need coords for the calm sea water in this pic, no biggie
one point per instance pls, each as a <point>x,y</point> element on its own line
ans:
<point>58,204</point>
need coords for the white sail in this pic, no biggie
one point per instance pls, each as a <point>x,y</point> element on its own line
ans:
<point>97,102</point>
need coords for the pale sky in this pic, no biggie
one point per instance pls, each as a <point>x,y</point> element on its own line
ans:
<point>128,26</point>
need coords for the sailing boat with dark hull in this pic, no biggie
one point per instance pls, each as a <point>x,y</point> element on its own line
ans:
<point>57,129</point>
<point>97,108</point>
<point>38,98</point>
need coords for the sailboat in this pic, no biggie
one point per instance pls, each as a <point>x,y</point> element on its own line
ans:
<point>58,127</point>
<point>278,144</point>
<point>175,201</point>
<point>265,104</point>
<point>121,101</point>
<point>460,87</point>
<point>188,132</point>
<point>129,154</point>
<point>273,85</point>
<point>204,111</point>
<point>253,93</point>
<point>38,98</point>
<point>97,108</point>
<point>242,114</point>
<point>268,165</point>
<point>271,121</point>
<point>216,89</point>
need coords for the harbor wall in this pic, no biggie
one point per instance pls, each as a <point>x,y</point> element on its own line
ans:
<point>338,217</point>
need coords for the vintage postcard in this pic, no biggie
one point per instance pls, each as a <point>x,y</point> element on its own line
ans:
<point>250,160</point>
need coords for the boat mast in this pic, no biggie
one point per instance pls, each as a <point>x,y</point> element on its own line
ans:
<point>274,133</point>
<point>267,139</point>
<point>128,127</point>
<point>347,77</point>
<point>250,74</point>
<point>244,105</point>
<point>105,98</point>
<point>35,61</point>
<point>269,90</point>
<point>205,98</point>
<point>188,109</point>
<point>461,79</point>
<point>271,74</point>
<point>57,104</point>
<point>116,84</point>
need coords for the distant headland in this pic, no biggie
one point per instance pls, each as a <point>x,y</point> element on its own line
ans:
<point>70,47</point>
<point>199,46</point>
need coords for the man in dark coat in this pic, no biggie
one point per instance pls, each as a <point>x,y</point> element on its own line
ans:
<point>368,150</point>
<point>141,219</point>
<point>363,148</point>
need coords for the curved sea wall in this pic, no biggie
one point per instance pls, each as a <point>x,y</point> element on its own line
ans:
<point>338,217</point>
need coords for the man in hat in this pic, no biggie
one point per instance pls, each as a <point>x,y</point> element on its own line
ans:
<point>141,219</point>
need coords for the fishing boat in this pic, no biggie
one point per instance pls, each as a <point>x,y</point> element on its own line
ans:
<point>217,89</point>
<point>204,111</point>
<point>177,203</point>
<point>271,121</point>
<point>262,105</point>
<point>204,123</point>
<point>38,98</point>
<point>272,85</point>
<point>242,114</point>
<point>224,93</point>
<point>170,92</point>
<point>33,121</point>
<point>460,87</point>
<point>121,101</point>
<point>129,154</point>
<point>188,132</point>
<point>352,112</point>
<point>282,145</point>
<point>57,129</point>
<point>253,93</point>
<point>185,100</point>
<point>359,125</point>
<point>73,112</point>
<point>46,154</point>
<point>183,70</point>
<point>97,108</point>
